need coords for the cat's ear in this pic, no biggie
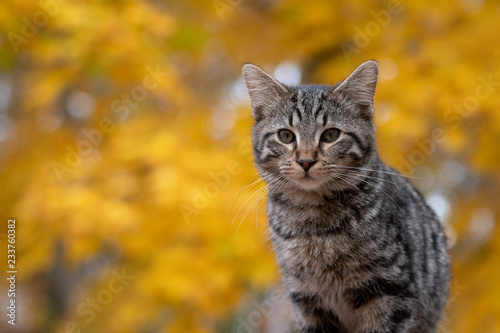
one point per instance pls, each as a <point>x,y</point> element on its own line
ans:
<point>263,89</point>
<point>360,86</point>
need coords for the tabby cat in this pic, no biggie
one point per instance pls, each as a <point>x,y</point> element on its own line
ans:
<point>358,247</point>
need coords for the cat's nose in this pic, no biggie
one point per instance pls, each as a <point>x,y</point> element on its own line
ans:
<point>306,164</point>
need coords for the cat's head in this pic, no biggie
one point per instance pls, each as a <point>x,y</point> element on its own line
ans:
<point>313,136</point>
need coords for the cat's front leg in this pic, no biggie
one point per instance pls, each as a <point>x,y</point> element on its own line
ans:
<point>313,316</point>
<point>388,314</point>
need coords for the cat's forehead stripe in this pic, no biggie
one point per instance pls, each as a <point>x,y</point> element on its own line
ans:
<point>308,106</point>
<point>318,103</point>
<point>296,114</point>
<point>301,103</point>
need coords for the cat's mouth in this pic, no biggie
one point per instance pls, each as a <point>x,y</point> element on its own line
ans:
<point>308,182</point>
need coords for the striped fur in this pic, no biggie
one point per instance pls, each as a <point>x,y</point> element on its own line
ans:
<point>359,249</point>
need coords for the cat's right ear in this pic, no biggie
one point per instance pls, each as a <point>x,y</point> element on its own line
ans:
<point>360,86</point>
<point>263,89</point>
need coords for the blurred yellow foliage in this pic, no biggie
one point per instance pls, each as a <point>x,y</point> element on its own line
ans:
<point>124,147</point>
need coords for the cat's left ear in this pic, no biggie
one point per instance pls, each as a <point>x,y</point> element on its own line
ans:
<point>263,89</point>
<point>360,86</point>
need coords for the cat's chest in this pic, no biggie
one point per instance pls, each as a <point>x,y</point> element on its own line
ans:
<point>309,237</point>
<point>314,256</point>
<point>315,241</point>
<point>318,266</point>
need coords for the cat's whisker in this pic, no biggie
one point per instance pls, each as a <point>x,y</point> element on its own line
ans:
<point>336,187</point>
<point>262,190</point>
<point>380,189</point>
<point>346,179</point>
<point>351,172</point>
<point>269,188</point>
<point>354,171</point>
<point>366,169</point>
<point>367,178</point>
<point>254,182</point>
<point>255,194</point>
<point>252,205</point>
<point>244,204</point>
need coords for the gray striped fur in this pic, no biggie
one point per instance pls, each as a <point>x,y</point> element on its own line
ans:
<point>359,249</point>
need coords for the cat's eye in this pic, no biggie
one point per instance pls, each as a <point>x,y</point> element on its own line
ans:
<point>286,136</point>
<point>330,135</point>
